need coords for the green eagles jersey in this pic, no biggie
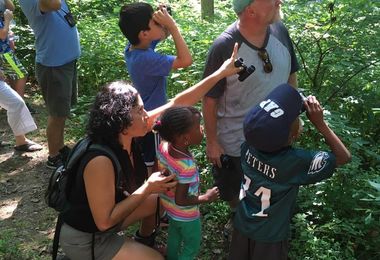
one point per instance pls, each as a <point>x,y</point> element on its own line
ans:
<point>270,187</point>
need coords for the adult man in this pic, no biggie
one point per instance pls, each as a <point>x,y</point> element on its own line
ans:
<point>57,49</point>
<point>265,43</point>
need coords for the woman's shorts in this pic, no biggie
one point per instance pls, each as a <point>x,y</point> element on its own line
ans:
<point>78,245</point>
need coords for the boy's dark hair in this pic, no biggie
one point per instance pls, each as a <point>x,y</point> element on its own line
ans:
<point>133,19</point>
<point>175,121</point>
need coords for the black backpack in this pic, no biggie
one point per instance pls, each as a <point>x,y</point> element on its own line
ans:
<point>56,193</point>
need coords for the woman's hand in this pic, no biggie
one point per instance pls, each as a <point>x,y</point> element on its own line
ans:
<point>228,67</point>
<point>157,182</point>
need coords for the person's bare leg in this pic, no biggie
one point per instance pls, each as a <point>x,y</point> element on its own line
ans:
<point>19,86</point>
<point>20,140</point>
<point>133,250</point>
<point>146,213</point>
<point>55,134</point>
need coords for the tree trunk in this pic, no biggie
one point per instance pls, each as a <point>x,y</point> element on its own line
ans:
<point>207,7</point>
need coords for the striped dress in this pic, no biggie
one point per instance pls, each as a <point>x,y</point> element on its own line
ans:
<point>187,173</point>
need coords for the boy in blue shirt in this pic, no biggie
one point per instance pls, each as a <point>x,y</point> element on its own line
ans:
<point>144,28</point>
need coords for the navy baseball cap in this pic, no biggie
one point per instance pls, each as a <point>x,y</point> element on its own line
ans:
<point>267,125</point>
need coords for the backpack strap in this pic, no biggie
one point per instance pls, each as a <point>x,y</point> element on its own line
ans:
<point>77,152</point>
<point>75,155</point>
<point>113,158</point>
<point>56,236</point>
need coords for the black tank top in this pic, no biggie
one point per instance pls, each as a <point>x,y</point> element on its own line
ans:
<point>79,215</point>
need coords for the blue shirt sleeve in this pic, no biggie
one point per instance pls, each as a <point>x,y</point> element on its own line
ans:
<point>31,7</point>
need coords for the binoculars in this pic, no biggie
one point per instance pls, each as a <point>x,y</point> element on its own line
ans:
<point>243,74</point>
<point>226,161</point>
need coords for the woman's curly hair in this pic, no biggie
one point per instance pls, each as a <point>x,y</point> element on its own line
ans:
<point>111,113</point>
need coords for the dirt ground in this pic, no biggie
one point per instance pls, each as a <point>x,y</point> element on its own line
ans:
<point>24,216</point>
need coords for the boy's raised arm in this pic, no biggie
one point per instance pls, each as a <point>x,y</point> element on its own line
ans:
<point>183,58</point>
<point>315,115</point>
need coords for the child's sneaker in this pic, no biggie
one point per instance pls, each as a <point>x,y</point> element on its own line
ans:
<point>150,241</point>
<point>54,162</point>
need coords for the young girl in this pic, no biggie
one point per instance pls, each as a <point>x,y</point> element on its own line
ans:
<point>180,127</point>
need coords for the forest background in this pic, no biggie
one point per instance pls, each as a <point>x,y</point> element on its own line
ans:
<point>337,44</point>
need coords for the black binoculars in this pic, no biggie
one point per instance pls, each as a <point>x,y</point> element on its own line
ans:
<point>246,71</point>
<point>168,8</point>
<point>226,161</point>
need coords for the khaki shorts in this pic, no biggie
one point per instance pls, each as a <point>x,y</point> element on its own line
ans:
<point>59,87</point>
<point>78,245</point>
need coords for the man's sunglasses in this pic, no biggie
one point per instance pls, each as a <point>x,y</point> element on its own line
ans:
<point>264,56</point>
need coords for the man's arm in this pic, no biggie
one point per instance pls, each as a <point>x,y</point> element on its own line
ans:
<point>293,80</point>
<point>213,148</point>
<point>49,5</point>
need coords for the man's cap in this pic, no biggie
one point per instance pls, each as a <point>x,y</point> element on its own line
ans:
<point>239,5</point>
<point>267,125</point>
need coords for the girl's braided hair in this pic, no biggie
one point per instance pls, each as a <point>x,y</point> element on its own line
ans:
<point>175,121</point>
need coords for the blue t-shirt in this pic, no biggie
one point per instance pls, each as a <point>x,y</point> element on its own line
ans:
<point>56,42</point>
<point>4,44</point>
<point>148,71</point>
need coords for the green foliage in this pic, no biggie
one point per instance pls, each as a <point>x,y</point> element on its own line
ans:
<point>337,46</point>
<point>9,249</point>
<point>338,49</point>
<point>102,53</point>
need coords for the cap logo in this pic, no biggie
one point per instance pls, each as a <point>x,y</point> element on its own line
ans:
<point>271,106</point>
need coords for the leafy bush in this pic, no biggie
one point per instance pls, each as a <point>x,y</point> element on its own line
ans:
<point>337,46</point>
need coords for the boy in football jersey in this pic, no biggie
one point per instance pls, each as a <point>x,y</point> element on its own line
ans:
<point>274,170</point>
